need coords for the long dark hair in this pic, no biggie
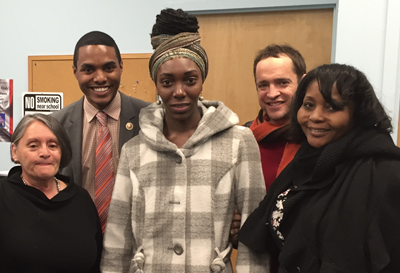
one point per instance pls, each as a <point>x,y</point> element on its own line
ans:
<point>353,86</point>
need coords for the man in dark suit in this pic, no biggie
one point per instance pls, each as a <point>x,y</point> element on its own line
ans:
<point>98,67</point>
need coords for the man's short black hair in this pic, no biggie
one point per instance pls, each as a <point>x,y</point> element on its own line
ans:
<point>96,38</point>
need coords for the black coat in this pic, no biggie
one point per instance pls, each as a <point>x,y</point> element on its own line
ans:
<point>37,234</point>
<point>344,216</point>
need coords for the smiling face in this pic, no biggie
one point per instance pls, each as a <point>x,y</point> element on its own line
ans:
<point>98,73</point>
<point>276,83</point>
<point>179,84</point>
<point>38,152</point>
<point>319,121</point>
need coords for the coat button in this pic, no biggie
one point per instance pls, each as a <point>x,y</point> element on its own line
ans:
<point>178,160</point>
<point>178,249</point>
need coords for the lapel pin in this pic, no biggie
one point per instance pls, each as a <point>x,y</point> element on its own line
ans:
<point>129,126</point>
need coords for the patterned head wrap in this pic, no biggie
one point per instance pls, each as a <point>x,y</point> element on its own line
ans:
<point>182,45</point>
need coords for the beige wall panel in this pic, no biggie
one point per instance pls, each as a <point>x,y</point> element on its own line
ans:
<point>232,40</point>
<point>55,74</point>
<point>136,81</point>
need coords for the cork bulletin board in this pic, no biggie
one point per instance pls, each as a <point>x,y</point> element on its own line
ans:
<point>55,74</point>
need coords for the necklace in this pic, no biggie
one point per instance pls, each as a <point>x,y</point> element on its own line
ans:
<point>55,179</point>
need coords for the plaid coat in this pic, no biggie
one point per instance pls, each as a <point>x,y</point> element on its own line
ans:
<point>171,208</point>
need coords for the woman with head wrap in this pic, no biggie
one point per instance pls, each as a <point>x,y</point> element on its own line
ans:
<point>180,180</point>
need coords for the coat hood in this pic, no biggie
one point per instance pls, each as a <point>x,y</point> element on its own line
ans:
<point>216,117</point>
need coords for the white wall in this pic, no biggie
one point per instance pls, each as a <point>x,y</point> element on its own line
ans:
<point>367,35</point>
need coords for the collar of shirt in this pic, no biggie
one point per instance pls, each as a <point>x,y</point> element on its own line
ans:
<point>113,109</point>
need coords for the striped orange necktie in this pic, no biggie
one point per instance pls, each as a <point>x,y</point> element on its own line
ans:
<point>104,174</point>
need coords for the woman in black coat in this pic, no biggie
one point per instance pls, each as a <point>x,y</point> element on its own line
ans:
<point>335,207</point>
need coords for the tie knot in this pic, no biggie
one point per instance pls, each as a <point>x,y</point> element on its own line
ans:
<point>102,118</point>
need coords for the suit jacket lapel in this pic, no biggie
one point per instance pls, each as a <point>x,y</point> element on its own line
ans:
<point>74,131</point>
<point>129,113</point>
